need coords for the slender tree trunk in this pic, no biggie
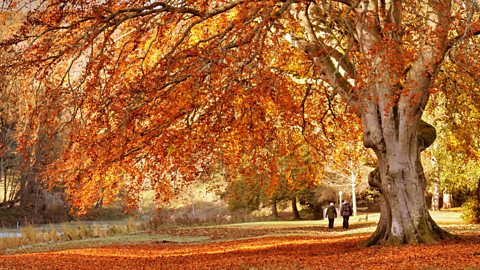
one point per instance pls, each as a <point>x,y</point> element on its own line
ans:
<point>436,186</point>
<point>399,177</point>
<point>354,197</point>
<point>3,174</point>
<point>193,205</point>
<point>6,189</point>
<point>296,214</point>
<point>23,193</point>
<point>274,208</point>
<point>13,186</point>
<point>436,194</point>
<point>478,191</point>
<point>447,200</point>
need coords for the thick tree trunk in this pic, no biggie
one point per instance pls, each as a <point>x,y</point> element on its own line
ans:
<point>296,214</point>
<point>399,177</point>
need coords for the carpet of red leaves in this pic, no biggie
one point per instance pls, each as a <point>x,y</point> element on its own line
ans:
<point>265,252</point>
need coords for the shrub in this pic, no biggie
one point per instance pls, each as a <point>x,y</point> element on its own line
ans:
<point>104,213</point>
<point>471,211</point>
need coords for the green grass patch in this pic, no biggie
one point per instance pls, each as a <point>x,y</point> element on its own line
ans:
<point>93,234</point>
<point>131,239</point>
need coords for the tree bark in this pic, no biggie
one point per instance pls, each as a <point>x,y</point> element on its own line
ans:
<point>274,208</point>
<point>477,207</point>
<point>296,214</point>
<point>447,200</point>
<point>3,174</point>
<point>478,191</point>
<point>399,177</point>
<point>354,195</point>
<point>436,192</point>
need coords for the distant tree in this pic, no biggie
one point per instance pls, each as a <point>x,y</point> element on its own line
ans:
<point>243,194</point>
<point>316,198</point>
<point>455,111</point>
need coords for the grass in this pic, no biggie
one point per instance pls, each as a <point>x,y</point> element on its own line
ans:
<point>137,238</point>
<point>131,231</point>
<point>67,232</point>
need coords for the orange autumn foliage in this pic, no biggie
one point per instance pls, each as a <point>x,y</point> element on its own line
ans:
<point>166,94</point>
<point>148,93</point>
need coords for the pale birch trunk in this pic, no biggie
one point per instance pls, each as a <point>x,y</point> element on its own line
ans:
<point>447,200</point>
<point>354,197</point>
<point>436,195</point>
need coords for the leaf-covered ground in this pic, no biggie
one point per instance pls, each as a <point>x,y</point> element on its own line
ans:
<point>308,247</point>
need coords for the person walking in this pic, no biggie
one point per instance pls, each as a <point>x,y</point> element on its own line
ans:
<point>345,212</point>
<point>331,215</point>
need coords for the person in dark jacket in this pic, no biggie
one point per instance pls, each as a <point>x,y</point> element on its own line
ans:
<point>345,212</point>
<point>331,215</point>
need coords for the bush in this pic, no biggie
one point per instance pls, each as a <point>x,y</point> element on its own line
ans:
<point>471,211</point>
<point>200,213</point>
<point>11,217</point>
<point>104,213</point>
<point>369,199</point>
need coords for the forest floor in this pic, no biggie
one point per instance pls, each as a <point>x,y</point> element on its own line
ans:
<point>258,246</point>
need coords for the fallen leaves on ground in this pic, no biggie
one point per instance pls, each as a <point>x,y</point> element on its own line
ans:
<point>254,251</point>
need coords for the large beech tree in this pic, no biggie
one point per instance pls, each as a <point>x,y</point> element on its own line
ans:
<point>157,90</point>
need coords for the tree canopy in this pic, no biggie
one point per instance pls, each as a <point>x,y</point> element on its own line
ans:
<point>158,90</point>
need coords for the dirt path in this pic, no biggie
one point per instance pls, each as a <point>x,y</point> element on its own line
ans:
<point>267,252</point>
